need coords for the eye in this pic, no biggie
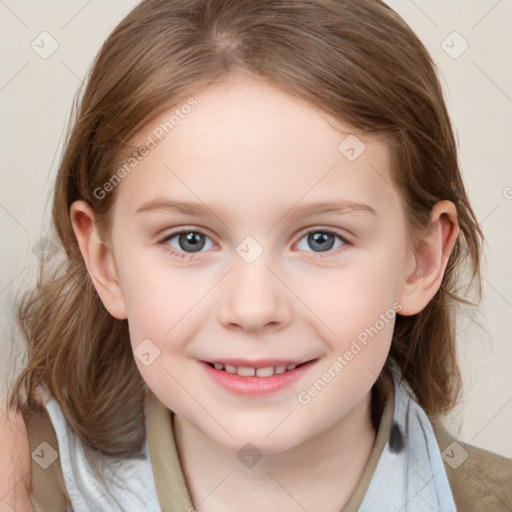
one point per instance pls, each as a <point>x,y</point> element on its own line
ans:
<point>185,242</point>
<point>321,240</point>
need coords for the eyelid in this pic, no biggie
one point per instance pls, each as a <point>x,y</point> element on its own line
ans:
<point>301,233</point>
<point>162,242</point>
<point>311,229</point>
<point>324,229</point>
<point>173,234</point>
<point>312,255</point>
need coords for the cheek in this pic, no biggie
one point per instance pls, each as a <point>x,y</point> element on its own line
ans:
<point>360,308</point>
<point>357,308</point>
<point>152,299</point>
<point>160,322</point>
<point>164,304</point>
<point>351,298</point>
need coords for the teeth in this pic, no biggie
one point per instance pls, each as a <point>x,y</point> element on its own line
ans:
<point>230,369</point>
<point>265,372</point>
<point>246,371</point>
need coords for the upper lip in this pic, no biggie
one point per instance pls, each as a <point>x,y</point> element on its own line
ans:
<point>260,363</point>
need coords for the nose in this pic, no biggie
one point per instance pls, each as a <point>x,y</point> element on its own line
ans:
<point>253,298</point>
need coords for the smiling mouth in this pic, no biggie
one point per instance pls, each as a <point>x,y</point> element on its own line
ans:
<point>249,371</point>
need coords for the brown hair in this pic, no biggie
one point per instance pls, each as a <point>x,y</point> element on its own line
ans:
<point>355,60</point>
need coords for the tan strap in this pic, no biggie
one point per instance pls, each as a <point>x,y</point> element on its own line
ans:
<point>171,488</point>
<point>48,489</point>
<point>483,481</point>
<point>383,434</point>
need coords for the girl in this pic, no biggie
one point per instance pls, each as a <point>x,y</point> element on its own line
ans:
<point>264,224</point>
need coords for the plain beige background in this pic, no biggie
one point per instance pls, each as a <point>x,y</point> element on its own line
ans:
<point>470,42</point>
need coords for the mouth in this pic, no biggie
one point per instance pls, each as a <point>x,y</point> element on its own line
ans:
<point>263,370</point>
<point>256,377</point>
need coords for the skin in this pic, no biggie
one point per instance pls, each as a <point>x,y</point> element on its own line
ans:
<point>250,152</point>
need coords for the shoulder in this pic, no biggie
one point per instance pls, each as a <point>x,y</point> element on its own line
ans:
<point>15,477</point>
<point>479,479</point>
<point>48,489</point>
<point>30,472</point>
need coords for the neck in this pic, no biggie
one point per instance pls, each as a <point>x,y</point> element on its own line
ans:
<point>318,475</point>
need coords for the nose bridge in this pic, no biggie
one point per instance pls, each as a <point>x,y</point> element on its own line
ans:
<point>254,297</point>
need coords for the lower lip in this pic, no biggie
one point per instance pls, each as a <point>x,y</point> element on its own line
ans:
<point>256,385</point>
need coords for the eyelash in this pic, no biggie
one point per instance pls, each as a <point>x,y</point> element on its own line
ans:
<point>188,256</point>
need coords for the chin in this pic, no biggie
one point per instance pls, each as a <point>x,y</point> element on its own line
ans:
<point>266,436</point>
<point>260,445</point>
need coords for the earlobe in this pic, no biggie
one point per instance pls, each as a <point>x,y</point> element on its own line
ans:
<point>98,259</point>
<point>431,256</point>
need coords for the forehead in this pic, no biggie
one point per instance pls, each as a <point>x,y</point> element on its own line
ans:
<point>247,143</point>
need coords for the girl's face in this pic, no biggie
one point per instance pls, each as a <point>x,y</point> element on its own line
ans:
<point>294,250</point>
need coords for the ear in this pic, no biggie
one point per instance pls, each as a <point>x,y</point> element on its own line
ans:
<point>98,259</point>
<point>429,259</point>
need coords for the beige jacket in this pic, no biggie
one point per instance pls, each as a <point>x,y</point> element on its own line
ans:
<point>481,483</point>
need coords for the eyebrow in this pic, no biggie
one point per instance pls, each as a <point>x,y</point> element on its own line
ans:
<point>202,210</point>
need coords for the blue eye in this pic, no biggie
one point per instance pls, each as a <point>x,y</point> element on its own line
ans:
<point>188,241</point>
<point>322,241</point>
<point>183,244</point>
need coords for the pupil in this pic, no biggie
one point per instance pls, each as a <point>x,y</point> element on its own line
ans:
<point>196,241</point>
<point>323,241</point>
